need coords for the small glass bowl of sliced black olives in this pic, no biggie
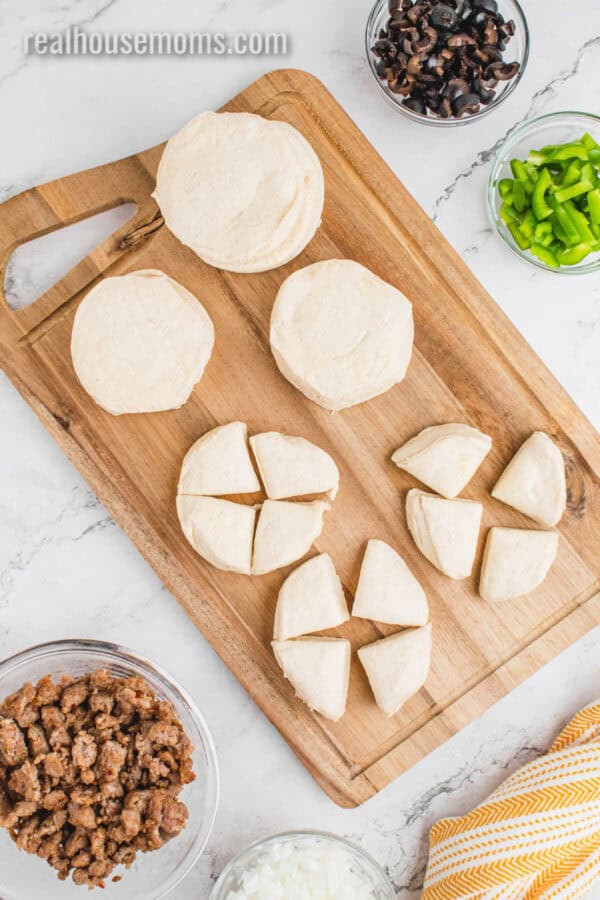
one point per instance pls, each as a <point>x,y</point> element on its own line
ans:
<point>447,62</point>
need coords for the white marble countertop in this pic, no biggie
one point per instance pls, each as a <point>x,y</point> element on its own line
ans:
<point>65,566</point>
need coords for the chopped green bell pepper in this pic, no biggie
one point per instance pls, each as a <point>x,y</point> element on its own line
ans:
<point>594,206</point>
<point>538,197</point>
<point>521,240</point>
<point>579,221</point>
<point>519,195</point>
<point>589,143</point>
<point>551,206</point>
<point>508,214</point>
<point>594,157</point>
<point>543,233</point>
<point>528,224</point>
<point>545,255</point>
<point>570,256</point>
<point>539,157</point>
<point>519,170</point>
<point>568,151</point>
<point>572,174</point>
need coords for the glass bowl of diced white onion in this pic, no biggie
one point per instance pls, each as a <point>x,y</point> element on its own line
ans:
<point>300,865</point>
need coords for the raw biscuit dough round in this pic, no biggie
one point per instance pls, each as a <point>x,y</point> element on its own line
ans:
<point>340,334</point>
<point>244,193</point>
<point>140,342</point>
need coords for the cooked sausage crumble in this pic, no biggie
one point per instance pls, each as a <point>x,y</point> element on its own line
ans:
<point>90,772</point>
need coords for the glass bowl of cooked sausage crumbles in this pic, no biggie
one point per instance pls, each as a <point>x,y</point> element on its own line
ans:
<point>108,775</point>
<point>450,62</point>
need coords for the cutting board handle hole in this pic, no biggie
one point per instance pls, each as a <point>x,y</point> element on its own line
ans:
<point>37,265</point>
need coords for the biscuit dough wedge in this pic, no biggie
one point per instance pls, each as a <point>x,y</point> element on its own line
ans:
<point>445,531</point>
<point>534,481</point>
<point>444,457</point>
<point>387,590</point>
<point>515,562</point>
<point>293,467</point>
<point>310,599</point>
<point>219,464</point>
<point>397,667</point>
<point>220,531</point>
<point>319,671</point>
<point>285,532</point>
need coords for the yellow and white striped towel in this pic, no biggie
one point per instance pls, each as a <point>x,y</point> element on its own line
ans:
<point>537,837</point>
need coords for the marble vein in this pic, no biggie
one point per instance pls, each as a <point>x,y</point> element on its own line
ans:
<point>537,101</point>
<point>80,23</point>
<point>32,547</point>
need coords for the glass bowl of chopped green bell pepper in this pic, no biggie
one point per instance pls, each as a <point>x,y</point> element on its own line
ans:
<point>544,192</point>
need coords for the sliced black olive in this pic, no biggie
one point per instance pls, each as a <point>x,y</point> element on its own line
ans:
<point>490,34</point>
<point>416,104</point>
<point>490,6</point>
<point>444,56</point>
<point>485,95</point>
<point>479,19</point>
<point>433,100</point>
<point>443,17</point>
<point>384,47</point>
<point>428,41</point>
<point>507,28</point>
<point>416,12</point>
<point>467,103</point>
<point>462,39</point>
<point>414,64</point>
<point>502,71</point>
<point>445,109</point>
<point>456,87</point>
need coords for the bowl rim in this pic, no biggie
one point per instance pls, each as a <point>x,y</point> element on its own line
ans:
<point>514,136</point>
<point>124,654</point>
<point>285,836</point>
<point>436,121</point>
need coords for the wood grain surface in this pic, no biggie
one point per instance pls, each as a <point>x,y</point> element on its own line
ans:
<point>469,365</point>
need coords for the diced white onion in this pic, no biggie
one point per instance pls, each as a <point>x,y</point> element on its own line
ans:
<point>308,870</point>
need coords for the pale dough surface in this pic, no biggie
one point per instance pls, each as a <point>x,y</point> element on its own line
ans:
<point>293,467</point>
<point>387,590</point>
<point>310,599</point>
<point>285,532</point>
<point>304,221</point>
<point>534,481</point>
<point>243,192</point>
<point>219,530</point>
<point>140,342</point>
<point>397,666</point>
<point>219,463</point>
<point>445,531</point>
<point>515,562</point>
<point>444,457</point>
<point>340,334</point>
<point>319,670</point>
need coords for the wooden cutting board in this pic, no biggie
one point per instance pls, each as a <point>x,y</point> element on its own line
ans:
<point>469,365</point>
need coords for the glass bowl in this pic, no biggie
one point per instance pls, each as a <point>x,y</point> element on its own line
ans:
<point>153,874</point>
<point>553,128</point>
<point>517,50</point>
<point>362,864</point>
